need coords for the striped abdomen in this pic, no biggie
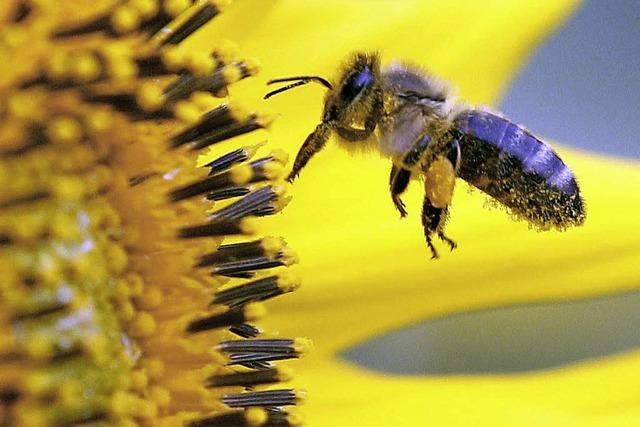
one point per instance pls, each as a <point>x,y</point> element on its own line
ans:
<point>517,169</point>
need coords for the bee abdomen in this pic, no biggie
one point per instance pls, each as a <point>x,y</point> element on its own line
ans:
<point>519,170</point>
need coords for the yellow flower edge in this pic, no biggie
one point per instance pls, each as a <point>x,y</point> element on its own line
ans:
<point>366,272</point>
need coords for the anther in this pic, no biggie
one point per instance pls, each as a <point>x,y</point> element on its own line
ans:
<point>218,228</point>
<point>251,123</point>
<point>223,115</point>
<point>245,330</point>
<point>237,156</point>
<point>257,290</point>
<point>283,397</point>
<point>252,378</point>
<point>250,351</point>
<point>235,316</point>
<point>229,193</point>
<point>241,174</point>
<point>246,205</point>
<point>265,246</point>
<point>186,23</point>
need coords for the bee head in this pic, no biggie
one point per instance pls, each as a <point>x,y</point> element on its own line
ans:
<point>356,93</point>
<point>351,107</point>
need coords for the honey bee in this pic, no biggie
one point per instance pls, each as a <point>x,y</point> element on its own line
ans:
<point>412,117</point>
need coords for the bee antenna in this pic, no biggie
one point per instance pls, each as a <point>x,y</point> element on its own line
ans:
<point>297,81</point>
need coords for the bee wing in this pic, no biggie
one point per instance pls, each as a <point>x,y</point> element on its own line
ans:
<point>519,170</point>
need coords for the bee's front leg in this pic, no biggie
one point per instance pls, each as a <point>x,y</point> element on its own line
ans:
<point>398,183</point>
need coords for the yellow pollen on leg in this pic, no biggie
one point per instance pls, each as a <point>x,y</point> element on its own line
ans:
<point>439,181</point>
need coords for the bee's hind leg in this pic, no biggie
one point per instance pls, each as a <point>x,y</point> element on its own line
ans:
<point>433,222</point>
<point>452,244</point>
<point>398,183</point>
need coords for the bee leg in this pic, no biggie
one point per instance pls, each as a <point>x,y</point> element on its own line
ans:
<point>433,221</point>
<point>439,184</point>
<point>354,134</point>
<point>398,183</point>
<point>452,244</point>
<point>431,217</point>
<point>314,143</point>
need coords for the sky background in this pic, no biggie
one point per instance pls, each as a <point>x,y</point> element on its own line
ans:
<point>583,88</point>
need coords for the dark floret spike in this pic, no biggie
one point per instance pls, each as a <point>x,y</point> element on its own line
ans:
<point>258,360</point>
<point>22,11</point>
<point>186,24</point>
<point>24,199</point>
<point>233,158</point>
<point>224,162</point>
<point>253,122</point>
<point>271,346</point>
<point>234,251</point>
<point>247,379</point>
<point>100,24</point>
<point>229,193</point>
<point>219,116</point>
<point>151,66</point>
<point>285,397</point>
<point>126,103</point>
<point>232,268</point>
<point>248,204</point>
<point>250,352</point>
<point>217,228</point>
<point>239,175</point>
<point>256,290</point>
<point>235,316</point>
<point>265,210</point>
<point>214,83</point>
<point>245,330</point>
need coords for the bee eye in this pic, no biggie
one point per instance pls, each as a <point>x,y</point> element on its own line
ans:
<point>355,83</point>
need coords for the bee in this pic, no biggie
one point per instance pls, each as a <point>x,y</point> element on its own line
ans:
<point>413,118</point>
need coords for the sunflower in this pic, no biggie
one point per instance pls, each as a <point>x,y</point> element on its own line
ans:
<point>130,279</point>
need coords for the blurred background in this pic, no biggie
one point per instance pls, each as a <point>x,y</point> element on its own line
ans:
<point>583,88</point>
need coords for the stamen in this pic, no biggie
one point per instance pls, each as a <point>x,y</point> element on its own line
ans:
<point>152,66</point>
<point>220,116</point>
<point>218,228</point>
<point>251,352</point>
<point>245,330</point>
<point>24,199</point>
<point>185,24</point>
<point>239,175</point>
<point>253,122</point>
<point>231,268</point>
<point>258,290</point>
<point>295,347</point>
<point>228,193</point>
<point>236,316</point>
<point>97,25</point>
<point>283,397</point>
<point>23,10</point>
<point>252,378</point>
<point>213,83</point>
<point>265,246</point>
<point>248,204</point>
<point>238,156</point>
<point>247,265</point>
